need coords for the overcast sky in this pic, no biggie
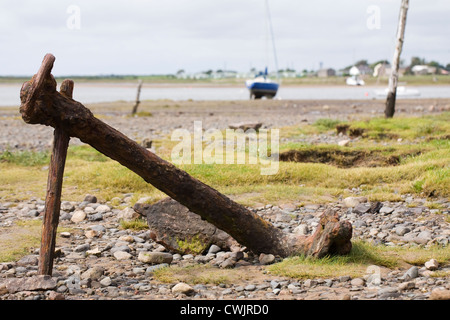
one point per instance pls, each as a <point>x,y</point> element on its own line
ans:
<point>157,37</point>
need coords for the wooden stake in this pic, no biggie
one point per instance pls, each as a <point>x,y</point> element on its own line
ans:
<point>137,97</point>
<point>393,80</point>
<point>54,187</point>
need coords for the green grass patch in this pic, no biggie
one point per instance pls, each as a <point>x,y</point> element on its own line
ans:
<point>25,158</point>
<point>356,263</point>
<point>203,274</point>
<point>420,167</point>
<point>18,240</point>
<point>135,224</point>
<point>430,126</point>
<point>326,124</point>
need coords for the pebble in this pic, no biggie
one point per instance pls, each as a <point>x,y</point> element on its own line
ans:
<point>432,264</point>
<point>183,288</point>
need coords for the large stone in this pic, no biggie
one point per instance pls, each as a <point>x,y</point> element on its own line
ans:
<point>39,282</point>
<point>78,216</point>
<point>183,288</point>
<point>128,214</point>
<point>167,220</point>
<point>29,260</point>
<point>351,202</point>
<point>440,294</point>
<point>94,273</point>
<point>266,258</point>
<point>103,208</point>
<point>432,264</point>
<point>412,273</point>
<point>155,257</point>
<point>122,255</point>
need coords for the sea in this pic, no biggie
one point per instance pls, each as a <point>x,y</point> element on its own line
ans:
<point>108,92</point>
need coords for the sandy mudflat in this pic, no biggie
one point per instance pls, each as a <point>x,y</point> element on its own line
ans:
<point>167,115</point>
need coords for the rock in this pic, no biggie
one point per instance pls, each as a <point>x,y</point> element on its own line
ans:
<point>39,282</point>
<point>91,234</point>
<point>95,217</point>
<point>246,125</point>
<point>361,208</point>
<point>122,255</point>
<point>82,247</point>
<point>423,237</point>
<point>343,143</point>
<point>155,257</point>
<point>53,295</point>
<point>214,249</point>
<point>440,294</point>
<point>266,258</point>
<point>250,287</point>
<point>93,273</point>
<point>106,281</point>
<point>432,264</point>
<point>401,231</point>
<point>94,252</point>
<point>357,282</point>
<point>310,283</point>
<point>67,206</point>
<point>78,216</point>
<point>29,260</point>
<point>406,286</point>
<point>388,292</point>
<point>90,199</point>
<point>375,207</point>
<point>351,202</point>
<point>178,229</point>
<point>103,208</point>
<point>65,234</point>
<point>301,230</point>
<point>412,273</point>
<point>128,214</point>
<point>386,210</point>
<point>183,288</point>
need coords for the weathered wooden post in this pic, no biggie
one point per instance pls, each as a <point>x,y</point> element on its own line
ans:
<point>393,79</point>
<point>138,101</point>
<point>52,108</point>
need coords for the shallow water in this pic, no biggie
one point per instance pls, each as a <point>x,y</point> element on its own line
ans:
<point>91,93</point>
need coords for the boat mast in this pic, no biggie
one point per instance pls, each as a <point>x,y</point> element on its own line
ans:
<point>270,29</point>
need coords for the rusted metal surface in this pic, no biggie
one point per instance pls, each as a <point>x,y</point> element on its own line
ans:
<point>53,201</point>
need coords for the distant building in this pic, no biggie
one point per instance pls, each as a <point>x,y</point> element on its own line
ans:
<point>423,69</point>
<point>364,69</point>
<point>327,72</point>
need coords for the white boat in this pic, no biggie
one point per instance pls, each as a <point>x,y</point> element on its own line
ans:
<point>402,91</point>
<point>354,79</point>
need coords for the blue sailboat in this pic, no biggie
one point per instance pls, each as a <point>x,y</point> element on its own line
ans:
<point>261,85</point>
